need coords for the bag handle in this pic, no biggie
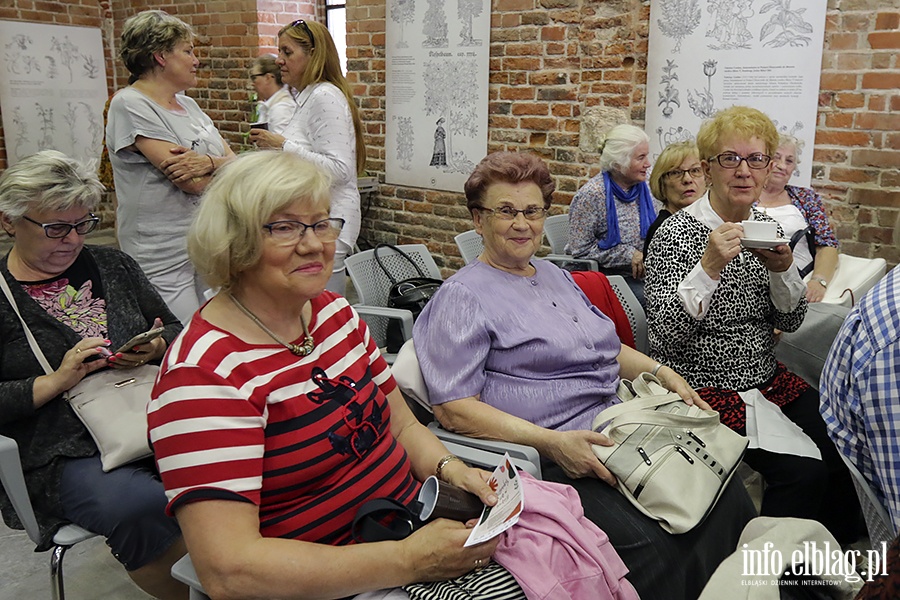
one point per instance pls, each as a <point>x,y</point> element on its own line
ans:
<point>810,234</point>
<point>634,412</point>
<point>385,519</point>
<point>401,253</point>
<point>35,348</point>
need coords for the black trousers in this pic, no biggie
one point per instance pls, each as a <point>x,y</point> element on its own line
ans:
<point>805,487</point>
<point>661,565</point>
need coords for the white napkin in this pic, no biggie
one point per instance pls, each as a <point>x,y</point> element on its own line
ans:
<point>769,429</point>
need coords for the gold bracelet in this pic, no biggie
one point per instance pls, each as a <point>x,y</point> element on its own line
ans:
<point>443,463</point>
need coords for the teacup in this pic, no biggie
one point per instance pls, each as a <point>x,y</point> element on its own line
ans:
<point>760,230</point>
<point>442,500</point>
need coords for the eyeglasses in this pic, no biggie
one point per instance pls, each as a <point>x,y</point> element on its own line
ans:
<point>730,160</point>
<point>508,213</point>
<point>291,232</point>
<point>60,230</point>
<point>676,174</point>
<point>302,23</point>
<point>253,76</point>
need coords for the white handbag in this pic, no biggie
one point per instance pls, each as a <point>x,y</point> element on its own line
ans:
<point>672,460</point>
<point>112,404</point>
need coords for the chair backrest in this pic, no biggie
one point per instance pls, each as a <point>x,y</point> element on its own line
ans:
<point>856,274</point>
<point>878,519</point>
<point>14,484</point>
<point>556,229</point>
<point>470,245</point>
<point>633,309</point>
<point>372,283</point>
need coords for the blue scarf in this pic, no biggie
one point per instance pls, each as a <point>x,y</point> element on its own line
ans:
<point>641,193</point>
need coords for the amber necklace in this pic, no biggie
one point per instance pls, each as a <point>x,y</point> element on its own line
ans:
<point>303,349</point>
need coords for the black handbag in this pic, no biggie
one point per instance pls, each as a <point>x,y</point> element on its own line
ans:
<point>409,294</point>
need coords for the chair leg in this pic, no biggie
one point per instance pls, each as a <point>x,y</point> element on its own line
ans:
<point>57,588</point>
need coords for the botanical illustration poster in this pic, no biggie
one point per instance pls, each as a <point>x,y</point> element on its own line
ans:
<point>52,89</point>
<point>706,55</point>
<point>437,91</point>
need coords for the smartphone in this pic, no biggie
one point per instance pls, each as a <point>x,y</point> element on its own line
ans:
<point>141,338</point>
<point>262,125</point>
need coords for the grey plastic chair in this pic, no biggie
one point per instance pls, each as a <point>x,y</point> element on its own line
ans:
<point>13,481</point>
<point>633,310</point>
<point>372,287</point>
<point>409,379</point>
<point>470,245</point>
<point>556,228</point>
<point>878,519</point>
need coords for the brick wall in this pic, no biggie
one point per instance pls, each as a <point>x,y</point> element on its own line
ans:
<point>558,64</point>
<point>231,33</point>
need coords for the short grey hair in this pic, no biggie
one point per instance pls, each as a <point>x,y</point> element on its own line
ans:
<point>225,239</point>
<point>785,139</point>
<point>48,181</point>
<point>148,33</point>
<point>618,145</point>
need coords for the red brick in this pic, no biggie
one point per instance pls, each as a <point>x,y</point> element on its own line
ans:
<point>887,20</point>
<point>875,158</point>
<point>853,175</point>
<point>884,39</point>
<point>849,100</point>
<point>878,80</point>
<point>838,81</point>
<point>880,121</point>
<point>842,41</point>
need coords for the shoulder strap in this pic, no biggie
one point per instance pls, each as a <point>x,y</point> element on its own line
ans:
<point>810,234</point>
<point>31,341</point>
<point>401,253</point>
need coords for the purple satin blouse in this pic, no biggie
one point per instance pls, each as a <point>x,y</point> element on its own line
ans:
<point>534,347</point>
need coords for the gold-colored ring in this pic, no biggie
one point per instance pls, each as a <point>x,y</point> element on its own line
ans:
<point>77,350</point>
<point>479,563</point>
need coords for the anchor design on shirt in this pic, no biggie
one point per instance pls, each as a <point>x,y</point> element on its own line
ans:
<point>343,391</point>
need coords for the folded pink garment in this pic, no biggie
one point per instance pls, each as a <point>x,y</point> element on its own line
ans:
<point>555,553</point>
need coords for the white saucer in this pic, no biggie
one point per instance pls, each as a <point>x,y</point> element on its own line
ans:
<point>766,244</point>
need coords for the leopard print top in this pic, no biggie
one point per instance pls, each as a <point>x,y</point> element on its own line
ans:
<point>733,346</point>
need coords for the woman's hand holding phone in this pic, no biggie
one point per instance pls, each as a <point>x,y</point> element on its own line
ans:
<point>140,349</point>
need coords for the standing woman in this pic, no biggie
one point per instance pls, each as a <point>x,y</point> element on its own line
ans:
<point>163,150</point>
<point>800,210</point>
<point>611,214</point>
<point>276,106</point>
<point>325,130</point>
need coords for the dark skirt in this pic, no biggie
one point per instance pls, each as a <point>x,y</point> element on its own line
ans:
<point>662,565</point>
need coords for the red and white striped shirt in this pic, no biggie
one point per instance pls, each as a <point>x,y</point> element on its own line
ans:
<point>307,439</point>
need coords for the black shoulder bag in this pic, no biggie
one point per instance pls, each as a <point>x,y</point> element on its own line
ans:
<point>810,234</point>
<point>410,294</point>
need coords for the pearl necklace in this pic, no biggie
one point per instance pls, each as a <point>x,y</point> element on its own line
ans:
<point>303,349</point>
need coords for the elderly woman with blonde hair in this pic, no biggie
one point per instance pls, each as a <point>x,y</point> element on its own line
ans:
<point>714,298</point>
<point>275,417</point>
<point>611,214</point>
<point>326,128</point>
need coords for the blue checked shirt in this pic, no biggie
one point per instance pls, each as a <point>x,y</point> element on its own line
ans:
<point>860,390</point>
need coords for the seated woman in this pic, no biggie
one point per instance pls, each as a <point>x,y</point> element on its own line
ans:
<point>676,180</point>
<point>798,210</point>
<point>275,417</point>
<point>511,349</point>
<point>77,301</point>
<point>610,215</point>
<point>711,309</point>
